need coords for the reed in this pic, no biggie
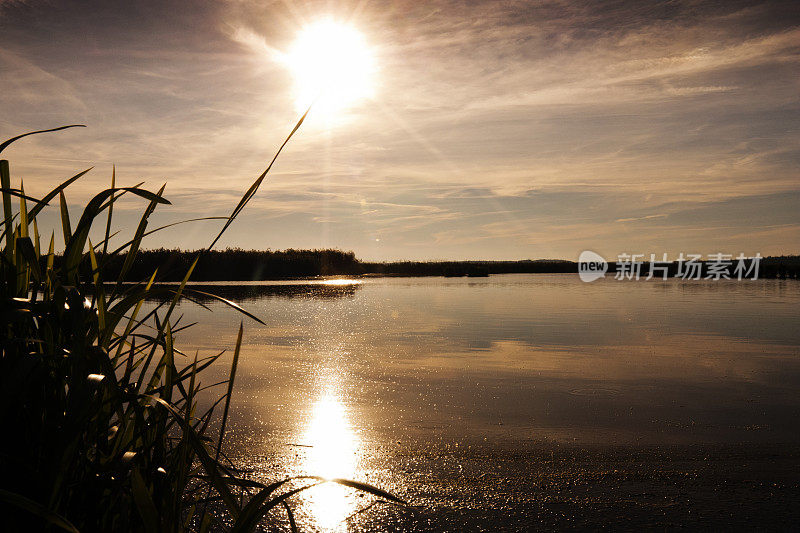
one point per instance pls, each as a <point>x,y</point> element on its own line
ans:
<point>102,427</point>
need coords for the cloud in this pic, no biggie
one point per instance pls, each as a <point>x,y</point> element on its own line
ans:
<point>646,217</point>
<point>498,129</point>
<point>28,86</point>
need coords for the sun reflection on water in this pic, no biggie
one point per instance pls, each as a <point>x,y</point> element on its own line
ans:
<point>333,453</point>
<point>341,281</point>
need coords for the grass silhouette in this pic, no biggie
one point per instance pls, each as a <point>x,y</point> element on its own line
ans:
<point>102,429</point>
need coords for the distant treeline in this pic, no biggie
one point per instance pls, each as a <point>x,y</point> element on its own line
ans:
<point>235,264</point>
<point>468,268</point>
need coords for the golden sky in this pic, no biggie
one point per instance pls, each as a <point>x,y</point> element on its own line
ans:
<point>494,130</point>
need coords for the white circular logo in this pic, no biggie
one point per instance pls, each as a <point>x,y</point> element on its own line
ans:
<point>591,266</point>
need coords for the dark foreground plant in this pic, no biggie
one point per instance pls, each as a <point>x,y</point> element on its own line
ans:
<point>101,428</point>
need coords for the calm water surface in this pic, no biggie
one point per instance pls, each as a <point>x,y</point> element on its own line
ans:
<point>353,378</point>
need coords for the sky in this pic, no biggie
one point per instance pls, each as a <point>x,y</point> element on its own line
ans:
<point>492,130</point>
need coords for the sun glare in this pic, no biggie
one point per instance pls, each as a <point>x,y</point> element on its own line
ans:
<point>333,453</point>
<point>332,67</point>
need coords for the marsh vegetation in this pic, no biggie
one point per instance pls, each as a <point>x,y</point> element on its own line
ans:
<point>102,425</point>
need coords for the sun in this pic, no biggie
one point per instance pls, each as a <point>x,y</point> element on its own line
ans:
<point>332,67</point>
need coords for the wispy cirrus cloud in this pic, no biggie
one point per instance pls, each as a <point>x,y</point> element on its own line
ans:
<point>511,129</point>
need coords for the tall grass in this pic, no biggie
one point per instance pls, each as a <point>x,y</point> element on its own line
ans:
<point>99,413</point>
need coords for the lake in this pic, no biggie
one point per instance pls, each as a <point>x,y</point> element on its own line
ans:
<point>517,401</point>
